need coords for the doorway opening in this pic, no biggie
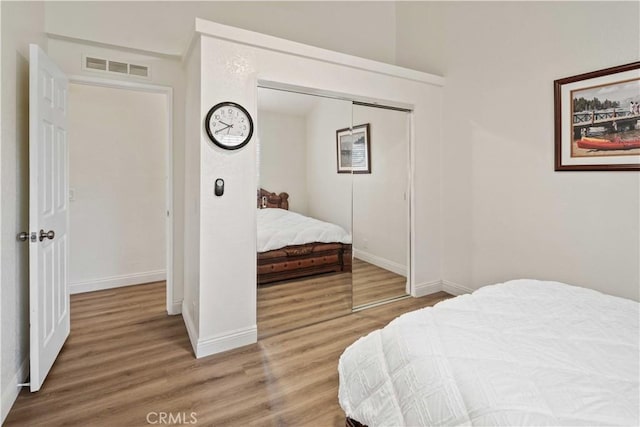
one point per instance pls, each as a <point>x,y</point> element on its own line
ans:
<point>120,191</point>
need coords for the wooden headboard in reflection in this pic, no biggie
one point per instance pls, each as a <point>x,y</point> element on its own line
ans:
<point>267,199</point>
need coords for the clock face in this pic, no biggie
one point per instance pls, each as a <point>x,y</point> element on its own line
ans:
<point>229,125</point>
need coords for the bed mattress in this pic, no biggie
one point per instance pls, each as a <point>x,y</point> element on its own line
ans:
<point>278,228</point>
<point>523,352</point>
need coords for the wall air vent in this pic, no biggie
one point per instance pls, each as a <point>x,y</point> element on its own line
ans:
<point>118,67</point>
<point>95,64</point>
<point>138,70</point>
<point>91,63</point>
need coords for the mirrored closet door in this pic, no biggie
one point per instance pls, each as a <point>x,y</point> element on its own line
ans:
<point>381,191</point>
<point>304,212</point>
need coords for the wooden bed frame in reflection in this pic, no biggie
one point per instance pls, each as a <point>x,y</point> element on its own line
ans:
<point>292,262</point>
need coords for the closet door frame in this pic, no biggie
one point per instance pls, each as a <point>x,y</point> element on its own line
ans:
<point>376,103</point>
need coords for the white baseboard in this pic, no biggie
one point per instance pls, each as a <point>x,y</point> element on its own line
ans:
<point>203,347</point>
<point>191,327</point>
<point>434,286</point>
<point>176,308</point>
<point>380,262</point>
<point>455,288</point>
<point>422,289</point>
<point>226,341</point>
<point>117,281</point>
<point>11,390</point>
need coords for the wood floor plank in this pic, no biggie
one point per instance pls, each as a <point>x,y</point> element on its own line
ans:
<point>372,284</point>
<point>115,372</point>
<point>293,304</point>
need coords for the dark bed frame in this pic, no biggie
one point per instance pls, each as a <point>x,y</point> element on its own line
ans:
<point>350,422</point>
<point>292,262</point>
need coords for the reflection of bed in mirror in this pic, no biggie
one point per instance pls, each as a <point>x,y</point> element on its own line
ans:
<point>291,245</point>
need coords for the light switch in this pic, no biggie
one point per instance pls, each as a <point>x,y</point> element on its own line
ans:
<point>72,194</point>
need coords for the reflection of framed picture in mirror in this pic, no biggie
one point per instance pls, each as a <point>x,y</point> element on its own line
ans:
<point>354,149</point>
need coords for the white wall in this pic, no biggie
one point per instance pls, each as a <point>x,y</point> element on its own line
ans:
<point>507,214</point>
<point>117,151</point>
<point>330,197</point>
<point>350,27</point>
<point>2,404</point>
<point>227,224</point>
<point>283,156</point>
<point>381,199</point>
<point>165,71</point>
<point>22,23</point>
<point>193,139</point>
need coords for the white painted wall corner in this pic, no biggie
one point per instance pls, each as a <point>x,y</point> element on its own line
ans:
<point>423,289</point>
<point>203,347</point>
<point>191,328</point>
<point>11,390</point>
<point>455,288</point>
<point>427,288</point>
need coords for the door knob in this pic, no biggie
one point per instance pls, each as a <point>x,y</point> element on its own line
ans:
<point>47,235</point>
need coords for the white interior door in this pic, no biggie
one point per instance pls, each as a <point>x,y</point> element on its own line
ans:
<point>48,214</point>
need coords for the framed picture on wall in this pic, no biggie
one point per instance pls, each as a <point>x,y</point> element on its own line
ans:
<point>597,120</point>
<point>353,149</point>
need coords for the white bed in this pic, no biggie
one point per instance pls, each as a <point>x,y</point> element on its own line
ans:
<point>278,228</point>
<point>523,352</point>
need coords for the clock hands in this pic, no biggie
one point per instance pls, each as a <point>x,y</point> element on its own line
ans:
<point>228,127</point>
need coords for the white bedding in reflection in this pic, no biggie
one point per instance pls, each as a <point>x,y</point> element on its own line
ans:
<point>278,228</point>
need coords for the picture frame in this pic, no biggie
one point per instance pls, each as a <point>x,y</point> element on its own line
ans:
<point>353,149</point>
<point>597,120</point>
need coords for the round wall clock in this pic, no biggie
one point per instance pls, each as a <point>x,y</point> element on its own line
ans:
<point>229,125</point>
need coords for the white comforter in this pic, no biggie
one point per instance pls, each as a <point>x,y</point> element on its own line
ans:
<point>278,228</point>
<point>523,352</point>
